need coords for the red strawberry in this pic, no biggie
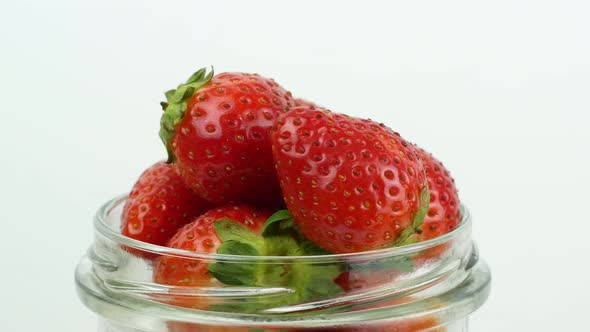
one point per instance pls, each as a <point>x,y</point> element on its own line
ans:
<point>201,236</point>
<point>242,230</point>
<point>158,205</point>
<point>443,211</point>
<point>350,184</point>
<point>216,129</point>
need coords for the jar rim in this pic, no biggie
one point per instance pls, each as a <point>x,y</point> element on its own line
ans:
<point>102,227</point>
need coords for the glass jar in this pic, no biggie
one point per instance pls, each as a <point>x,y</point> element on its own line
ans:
<point>427,286</point>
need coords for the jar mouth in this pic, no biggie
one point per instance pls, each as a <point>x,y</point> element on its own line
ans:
<point>103,227</point>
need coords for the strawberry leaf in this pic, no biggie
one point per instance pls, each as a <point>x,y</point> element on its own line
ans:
<point>169,94</point>
<point>183,92</point>
<point>197,76</point>
<point>278,223</point>
<point>315,281</point>
<point>235,273</point>
<point>424,203</point>
<point>311,249</point>
<point>236,240</point>
<point>282,245</point>
<point>406,237</point>
<point>229,230</point>
<point>176,105</point>
<point>281,238</point>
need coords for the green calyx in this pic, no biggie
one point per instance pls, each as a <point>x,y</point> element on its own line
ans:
<point>280,237</point>
<point>176,104</point>
<point>408,234</point>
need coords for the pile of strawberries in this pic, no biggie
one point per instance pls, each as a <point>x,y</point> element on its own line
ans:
<point>244,155</point>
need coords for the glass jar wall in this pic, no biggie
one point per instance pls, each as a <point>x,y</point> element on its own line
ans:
<point>428,286</point>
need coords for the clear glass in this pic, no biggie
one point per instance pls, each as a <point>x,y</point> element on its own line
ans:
<point>428,286</point>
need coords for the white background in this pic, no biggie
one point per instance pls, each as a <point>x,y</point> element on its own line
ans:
<point>500,91</point>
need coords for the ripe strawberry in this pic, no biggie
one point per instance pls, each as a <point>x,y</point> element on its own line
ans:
<point>216,129</point>
<point>158,205</point>
<point>350,184</point>
<point>443,211</point>
<point>241,230</point>
<point>201,236</point>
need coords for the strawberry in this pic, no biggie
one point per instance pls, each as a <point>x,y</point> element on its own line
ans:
<point>242,230</point>
<point>443,211</point>
<point>216,129</point>
<point>201,236</point>
<point>158,205</point>
<point>351,185</point>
